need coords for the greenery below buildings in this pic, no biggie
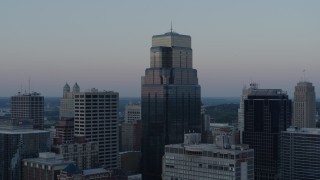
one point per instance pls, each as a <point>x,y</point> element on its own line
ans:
<point>223,113</point>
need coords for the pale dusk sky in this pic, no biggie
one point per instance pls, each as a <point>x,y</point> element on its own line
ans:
<point>106,44</point>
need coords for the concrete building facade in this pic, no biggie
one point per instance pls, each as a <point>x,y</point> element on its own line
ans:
<point>192,160</point>
<point>28,106</point>
<point>132,112</point>
<point>96,118</point>
<point>299,154</point>
<point>46,167</point>
<point>304,104</point>
<point>67,101</point>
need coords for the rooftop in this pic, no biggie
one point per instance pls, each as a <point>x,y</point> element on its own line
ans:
<point>48,159</point>
<point>7,129</point>
<point>72,169</point>
<point>209,147</point>
<point>303,130</point>
<point>94,171</point>
<point>170,33</point>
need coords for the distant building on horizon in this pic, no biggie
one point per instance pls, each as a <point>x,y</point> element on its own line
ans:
<point>67,101</point>
<point>304,104</point>
<point>193,160</point>
<point>299,154</point>
<point>267,112</point>
<point>132,112</point>
<point>28,106</point>
<point>170,99</point>
<point>96,118</point>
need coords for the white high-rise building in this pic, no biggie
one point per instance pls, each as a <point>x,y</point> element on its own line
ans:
<point>245,92</point>
<point>67,101</point>
<point>132,112</point>
<point>304,114</point>
<point>96,118</point>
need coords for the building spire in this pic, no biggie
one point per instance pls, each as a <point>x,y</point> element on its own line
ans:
<point>172,40</point>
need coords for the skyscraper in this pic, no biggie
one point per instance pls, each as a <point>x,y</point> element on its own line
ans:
<point>28,106</point>
<point>96,118</point>
<point>67,101</point>
<point>304,105</point>
<point>171,102</point>
<point>267,112</point>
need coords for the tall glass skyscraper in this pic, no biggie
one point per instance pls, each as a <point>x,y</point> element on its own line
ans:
<point>267,112</point>
<point>170,96</point>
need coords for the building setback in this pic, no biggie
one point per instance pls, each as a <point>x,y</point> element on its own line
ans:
<point>96,118</point>
<point>170,95</point>
<point>267,112</point>
<point>300,154</point>
<point>194,161</point>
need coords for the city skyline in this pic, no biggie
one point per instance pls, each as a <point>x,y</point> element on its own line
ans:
<point>235,43</point>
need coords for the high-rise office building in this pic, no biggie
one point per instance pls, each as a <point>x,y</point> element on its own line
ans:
<point>96,118</point>
<point>192,160</point>
<point>132,112</point>
<point>67,101</point>
<point>16,144</point>
<point>299,154</point>
<point>304,105</point>
<point>171,102</point>
<point>245,92</point>
<point>267,112</point>
<point>28,106</point>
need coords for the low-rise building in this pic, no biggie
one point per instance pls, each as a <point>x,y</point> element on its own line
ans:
<point>46,167</point>
<point>192,160</point>
<point>72,172</point>
<point>84,154</point>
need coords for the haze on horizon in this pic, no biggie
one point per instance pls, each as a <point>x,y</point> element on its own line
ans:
<point>106,44</point>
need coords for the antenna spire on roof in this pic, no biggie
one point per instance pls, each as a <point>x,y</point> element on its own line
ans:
<point>171,27</point>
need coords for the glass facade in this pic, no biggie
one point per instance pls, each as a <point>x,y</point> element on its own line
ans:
<point>170,96</point>
<point>267,112</point>
<point>19,144</point>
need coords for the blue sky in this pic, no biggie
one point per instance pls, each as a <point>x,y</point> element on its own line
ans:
<point>105,44</point>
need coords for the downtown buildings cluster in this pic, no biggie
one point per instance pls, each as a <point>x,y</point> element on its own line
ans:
<point>168,136</point>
